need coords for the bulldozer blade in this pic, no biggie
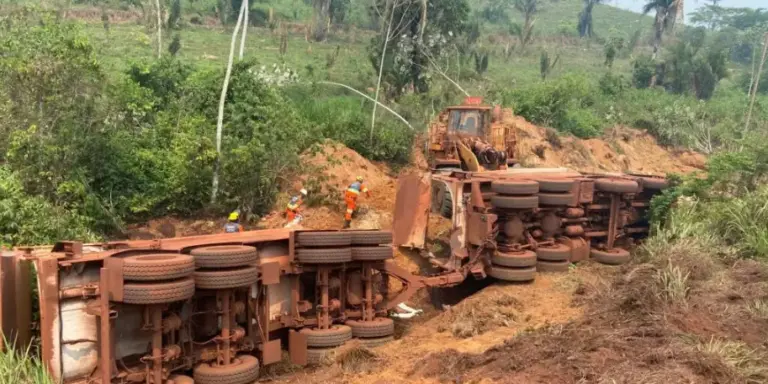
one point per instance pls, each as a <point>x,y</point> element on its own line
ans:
<point>412,210</point>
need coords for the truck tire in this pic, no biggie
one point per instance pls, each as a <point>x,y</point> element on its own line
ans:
<point>446,206</point>
<point>614,256</point>
<point>378,327</point>
<point>375,342</point>
<point>556,185</point>
<point>225,256</point>
<point>616,185</point>
<point>552,266</point>
<point>556,199</point>
<point>513,274</point>
<point>371,237</point>
<point>654,183</point>
<point>372,253</point>
<point>180,379</point>
<point>516,187</point>
<point>158,293</point>
<point>324,255</point>
<point>515,202</point>
<point>157,267</point>
<point>514,259</point>
<point>331,337</point>
<point>226,278</point>
<point>243,370</point>
<point>321,356</point>
<point>324,239</point>
<point>557,252</point>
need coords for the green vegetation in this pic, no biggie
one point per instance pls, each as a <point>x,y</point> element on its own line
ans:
<point>22,368</point>
<point>107,134</point>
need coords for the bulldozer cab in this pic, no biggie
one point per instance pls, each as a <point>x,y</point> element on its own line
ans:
<point>457,131</point>
<point>468,121</point>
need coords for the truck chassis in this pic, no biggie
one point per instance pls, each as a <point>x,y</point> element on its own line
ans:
<point>204,309</point>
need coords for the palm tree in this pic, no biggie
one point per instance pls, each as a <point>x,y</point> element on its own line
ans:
<point>666,16</point>
<point>529,8</point>
<point>585,18</point>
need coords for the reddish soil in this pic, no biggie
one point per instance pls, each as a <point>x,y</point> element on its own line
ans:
<point>622,149</point>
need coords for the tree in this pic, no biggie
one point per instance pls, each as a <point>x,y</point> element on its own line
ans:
<point>222,100</point>
<point>710,16</point>
<point>159,29</point>
<point>320,19</point>
<point>175,46</point>
<point>546,64</point>
<point>414,40</point>
<point>338,11</point>
<point>529,9</point>
<point>585,18</point>
<point>175,16</point>
<point>666,16</point>
<point>612,48</point>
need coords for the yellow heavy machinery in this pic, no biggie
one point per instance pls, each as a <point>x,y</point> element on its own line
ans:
<point>471,137</point>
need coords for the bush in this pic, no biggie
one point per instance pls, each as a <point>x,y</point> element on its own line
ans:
<point>31,220</point>
<point>643,69</point>
<point>347,119</point>
<point>563,104</point>
<point>612,84</point>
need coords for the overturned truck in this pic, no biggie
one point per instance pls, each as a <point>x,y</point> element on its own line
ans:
<point>204,309</point>
<point>513,223</point>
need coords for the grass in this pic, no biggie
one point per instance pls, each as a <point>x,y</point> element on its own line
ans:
<point>21,367</point>
<point>208,46</point>
<point>673,283</point>
<point>739,356</point>
<point>475,317</point>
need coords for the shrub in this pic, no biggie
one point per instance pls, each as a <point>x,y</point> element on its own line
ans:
<point>612,84</point>
<point>31,220</point>
<point>348,120</point>
<point>563,104</point>
<point>643,69</point>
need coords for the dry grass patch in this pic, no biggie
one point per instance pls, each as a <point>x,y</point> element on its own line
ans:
<point>476,316</point>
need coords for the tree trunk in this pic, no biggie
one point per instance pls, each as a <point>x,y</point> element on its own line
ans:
<point>658,32</point>
<point>222,99</point>
<point>320,22</point>
<point>245,28</point>
<point>381,68</point>
<point>159,30</point>
<point>423,25</point>
<point>757,83</point>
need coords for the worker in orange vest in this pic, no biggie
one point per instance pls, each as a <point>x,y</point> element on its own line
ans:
<point>294,205</point>
<point>350,197</point>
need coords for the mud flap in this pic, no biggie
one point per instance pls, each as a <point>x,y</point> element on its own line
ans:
<point>297,347</point>
<point>413,202</point>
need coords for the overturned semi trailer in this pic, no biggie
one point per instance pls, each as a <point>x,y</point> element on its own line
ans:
<point>511,224</point>
<point>204,309</point>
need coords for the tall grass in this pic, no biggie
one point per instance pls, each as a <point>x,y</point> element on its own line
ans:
<point>22,367</point>
<point>744,222</point>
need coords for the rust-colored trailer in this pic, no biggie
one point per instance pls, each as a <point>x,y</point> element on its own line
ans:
<point>203,309</point>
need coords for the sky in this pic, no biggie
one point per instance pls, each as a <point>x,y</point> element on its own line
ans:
<point>691,5</point>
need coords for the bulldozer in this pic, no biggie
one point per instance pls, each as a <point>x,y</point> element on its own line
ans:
<point>471,137</point>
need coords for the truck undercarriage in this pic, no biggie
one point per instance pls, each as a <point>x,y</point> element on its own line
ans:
<point>205,309</point>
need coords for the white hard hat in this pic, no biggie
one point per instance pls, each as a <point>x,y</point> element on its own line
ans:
<point>303,191</point>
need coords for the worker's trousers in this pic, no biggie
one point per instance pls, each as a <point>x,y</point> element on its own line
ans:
<point>351,200</point>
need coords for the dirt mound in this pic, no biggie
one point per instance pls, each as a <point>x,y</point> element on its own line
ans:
<point>621,150</point>
<point>169,227</point>
<point>327,170</point>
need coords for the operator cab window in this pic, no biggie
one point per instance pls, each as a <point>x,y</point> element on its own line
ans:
<point>467,122</point>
